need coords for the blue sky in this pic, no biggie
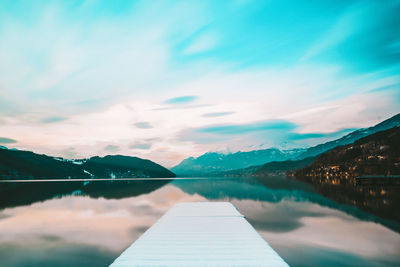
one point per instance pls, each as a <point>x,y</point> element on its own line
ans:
<point>170,79</point>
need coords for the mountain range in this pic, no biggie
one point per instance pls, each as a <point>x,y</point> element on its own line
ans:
<point>260,162</point>
<point>351,137</point>
<point>16,164</point>
<point>212,163</point>
<point>376,154</point>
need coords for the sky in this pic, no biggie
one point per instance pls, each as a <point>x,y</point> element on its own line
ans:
<point>166,80</point>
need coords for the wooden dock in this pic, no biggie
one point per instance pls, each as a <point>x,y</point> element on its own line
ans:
<point>200,234</point>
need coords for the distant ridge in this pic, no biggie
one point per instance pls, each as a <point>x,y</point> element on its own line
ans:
<point>250,163</point>
<point>281,167</point>
<point>351,137</point>
<point>214,162</point>
<point>15,164</point>
<point>376,154</point>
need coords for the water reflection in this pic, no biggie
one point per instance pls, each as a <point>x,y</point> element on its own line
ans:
<point>16,194</point>
<point>274,189</point>
<point>94,227</point>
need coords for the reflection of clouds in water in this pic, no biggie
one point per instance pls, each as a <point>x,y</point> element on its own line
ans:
<point>290,225</point>
<point>113,224</point>
<point>302,232</point>
<point>318,256</point>
<point>3,216</point>
<point>282,216</point>
<point>53,253</point>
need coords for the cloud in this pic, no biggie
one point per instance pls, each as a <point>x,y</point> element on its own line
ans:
<point>181,99</point>
<point>348,41</point>
<point>341,30</point>
<point>5,140</point>
<point>112,148</point>
<point>217,114</point>
<point>192,135</point>
<point>392,87</point>
<point>299,136</point>
<point>271,133</point>
<point>140,146</point>
<point>122,220</point>
<point>53,119</point>
<point>304,136</point>
<point>335,134</point>
<point>238,136</point>
<point>200,44</point>
<point>232,129</point>
<point>175,107</point>
<point>69,153</point>
<point>143,125</point>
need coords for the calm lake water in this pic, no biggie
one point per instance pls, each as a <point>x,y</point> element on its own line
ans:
<point>90,224</point>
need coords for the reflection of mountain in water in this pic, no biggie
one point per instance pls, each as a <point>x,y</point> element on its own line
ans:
<point>272,189</point>
<point>17,194</point>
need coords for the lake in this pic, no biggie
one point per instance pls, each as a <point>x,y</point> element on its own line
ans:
<point>81,223</point>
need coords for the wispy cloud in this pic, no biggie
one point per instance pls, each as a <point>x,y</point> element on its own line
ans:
<point>53,119</point>
<point>298,136</point>
<point>140,146</point>
<point>190,106</point>
<point>335,134</point>
<point>143,125</point>
<point>181,99</point>
<point>5,140</point>
<point>339,32</point>
<point>217,114</point>
<point>112,148</point>
<point>202,43</point>
<point>250,127</point>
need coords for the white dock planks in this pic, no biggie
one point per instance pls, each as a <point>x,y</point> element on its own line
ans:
<point>200,234</point>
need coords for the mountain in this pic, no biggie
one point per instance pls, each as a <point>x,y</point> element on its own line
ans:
<point>351,137</point>
<point>124,166</point>
<point>333,173</point>
<point>376,154</point>
<point>215,162</point>
<point>274,168</point>
<point>281,167</point>
<point>15,164</point>
<point>3,147</point>
<point>308,157</point>
<point>248,163</point>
